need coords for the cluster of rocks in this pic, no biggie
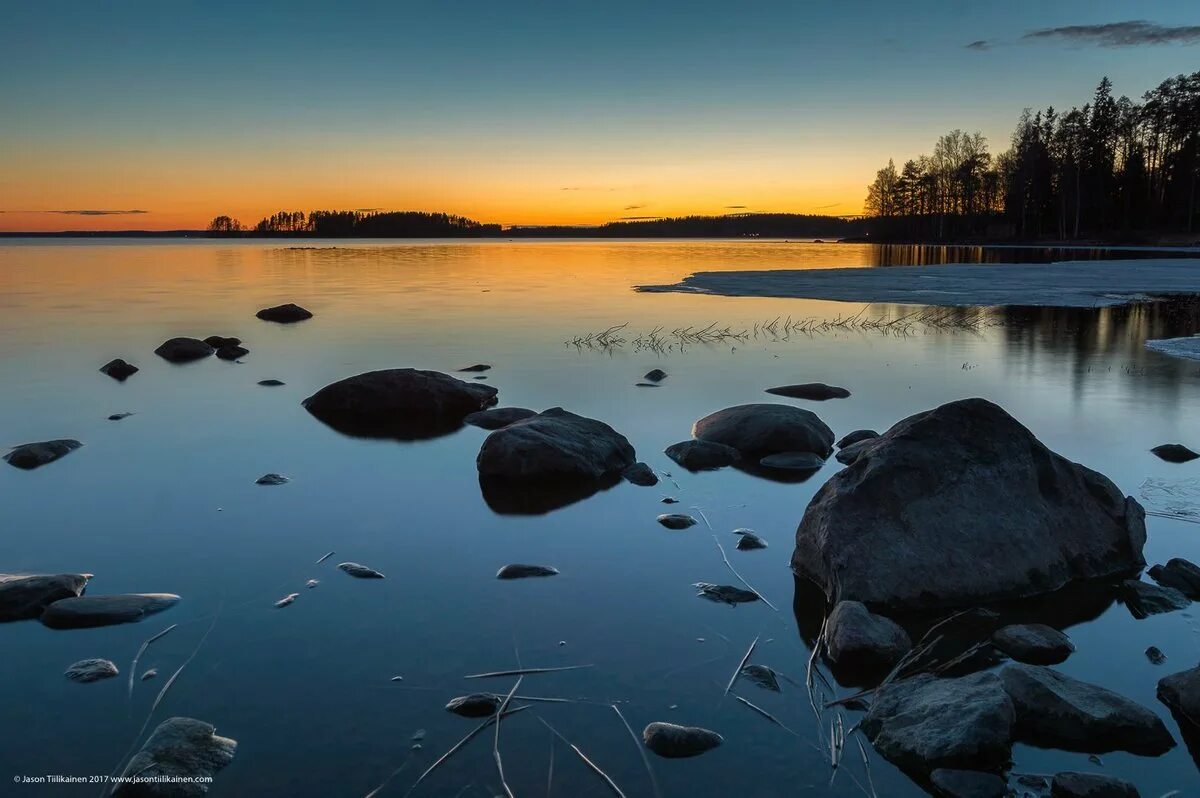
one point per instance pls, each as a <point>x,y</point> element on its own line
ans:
<point>58,601</point>
<point>776,438</point>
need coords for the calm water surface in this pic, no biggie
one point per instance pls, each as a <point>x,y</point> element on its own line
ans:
<point>165,500</point>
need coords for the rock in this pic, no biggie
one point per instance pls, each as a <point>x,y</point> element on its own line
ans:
<point>360,571</point>
<point>1090,785</point>
<point>669,500</point>
<point>477,367</point>
<point>178,761</point>
<point>858,638</point>
<point>286,600</point>
<point>1180,574</point>
<point>702,455</point>
<point>272,479</point>
<point>311,583</point>
<point>960,506</point>
<point>24,596</point>
<point>518,571</point>
<point>858,436</point>
<point>1174,453</point>
<point>848,454</point>
<point>748,541</point>
<point>1144,599</point>
<point>119,416</point>
<point>676,520</point>
<point>655,375</point>
<point>762,676</point>
<point>118,369</point>
<point>1056,711</point>
<point>763,429</point>
<point>87,611</point>
<point>149,674</point>
<point>498,417</point>
<point>271,383</point>
<point>401,403</point>
<point>950,783</point>
<point>475,705</point>
<point>724,594</point>
<point>646,385</point>
<point>1034,643</point>
<point>32,455</point>
<point>218,341</point>
<point>557,446</point>
<point>640,474</point>
<point>284,314</point>
<point>925,723</point>
<point>1181,693</point>
<point>673,741</point>
<point>1155,655</point>
<point>793,461</point>
<point>183,350</point>
<point>91,670</point>
<point>815,391</point>
<point>232,352</point>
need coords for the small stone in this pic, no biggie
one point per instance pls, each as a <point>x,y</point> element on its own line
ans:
<point>673,741</point>
<point>858,436</point>
<point>1180,574</point>
<point>232,352</point>
<point>748,541</point>
<point>724,594</point>
<point>813,391</point>
<point>477,367</point>
<point>1090,785</point>
<point>286,600</point>
<point>90,611</point>
<point>218,341</point>
<point>311,583</point>
<point>646,385</point>
<point>284,314</point>
<point>397,679</point>
<point>702,455</point>
<point>119,370</point>
<point>272,383</point>
<point>178,761</point>
<point>28,456</point>
<point>91,670</point>
<point>519,571</point>
<point>676,520</point>
<point>119,416</point>
<point>1174,453</point>
<point>149,674</point>
<point>655,375</point>
<point>793,461</point>
<point>669,500</point>
<point>271,479</point>
<point>183,350</point>
<point>360,571</point>
<point>1034,643</point>
<point>1155,655</point>
<point>1144,599</point>
<point>762,676</point>
<point>640,474</point>
<point>857,638</point>
<point>475,705</point>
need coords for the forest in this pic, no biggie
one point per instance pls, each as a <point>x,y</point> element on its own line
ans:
<point>1114,168</point>
<point>357,224</point>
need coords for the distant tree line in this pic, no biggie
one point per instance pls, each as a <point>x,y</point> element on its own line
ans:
<point>739,225</point>
<point>353,224</point>
<point>1112,168</point>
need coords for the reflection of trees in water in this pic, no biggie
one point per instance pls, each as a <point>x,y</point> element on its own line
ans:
<point>939,254</point>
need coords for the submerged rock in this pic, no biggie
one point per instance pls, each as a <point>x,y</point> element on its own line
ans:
<point>498,417</point>
<point>702,455</point>
<point>32,455</point>
<point>272,383</point>
<point>25,596</point>
<point>91,670</point>
<point>724,594</point>
<point>640,474</point>
<point>907,525</point>
<point>1144,599</point>
<point>925,723</point>
<point>284,314</point>
<point>272,479</point>
<point>118,369</point>
<point>951,783</point>
<point>859,639</point>
<point>232,352</point>
<point>793,461</point>
<point>1056,711</point>
<point>748,541</point>
<point>183,350</point>
<point>814,391</point>
<point>1155,655</point>
<point>761,675</point>
<point>475,705</point>
<point>520,571</point>
<point>1174,453</point>
<point>858,436</point>
<point>218,341</point>
<point>1033,643</point>
<point>673,741</point>
<point>182,748</point>
<point>119,416</point>
<point>87,611</point>
<point>1090,785</point>
<point>557,446</point>
<point>763,429</point>
<point>676,520</point>
<point>360,571</point>
<point>477,367</point>
<point>1180,574</point>
<point>1181,693</point>
<point>400,403</point>
<point>655,375</point>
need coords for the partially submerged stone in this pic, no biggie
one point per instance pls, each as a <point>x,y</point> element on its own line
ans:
<point>793,461</point>
<point>556,446</point>
<point>858,639</point>
<point>762,676</point>
<point>673,741</point>
<point>655,375</point>
<point>676,520</point>
<point>218,341</point>
<point>272,383</point>
<point>725,594</point>
<point>91,670</point>
<point>1181,693</point>
<point>477,367</point>
<point>183,350</point>
<point>848,454</point>
<point>89,611</point>
<point>25,596</point>
<point>858,436</point>
<point>640,474</point>
<point>703,455</point>
<point>118,369</point>
<point>284,314</point>
<point>475,705</point>
<point>1090,785</point>
<point>1033,643</point>
<point>232,352</point>
<point>360,571</point>
<point>1174,453</point>
<point>1144,599</point>
<point>813,391</point>
<point>762,429</point>
<point>498,417</point>
<point>1180,574</point>
<point>272,479</point>
<point>1155,655</point>
<point>28,456</point>
<point>748,540</point>
<point>952,783</point>
<point>119,416</point>
<point>184,753</point>
<point>521,571</point>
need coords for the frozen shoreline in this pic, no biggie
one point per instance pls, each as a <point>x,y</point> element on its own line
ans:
<point>1187,347</point>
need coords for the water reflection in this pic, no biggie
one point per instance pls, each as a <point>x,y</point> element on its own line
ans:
<point>938,254</point>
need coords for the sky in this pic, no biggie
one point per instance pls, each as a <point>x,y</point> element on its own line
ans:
<point>139,115</point>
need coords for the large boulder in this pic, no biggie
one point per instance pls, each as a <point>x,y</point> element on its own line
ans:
<point>857,638</point>
<point>178,761</point>
<point>29,456</point>
<point>962,505</point>
<point>400,403</point>
<point>762,429</point>
<point>183,350</point>
<point>88,611</point>
<point>1181,692</point>
<point>555,445</point>
<point>702,455</point>
<point>925,723</point>
<point>24,596</point>
<point>1056,711</point>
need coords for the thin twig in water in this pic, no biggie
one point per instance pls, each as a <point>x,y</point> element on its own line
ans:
<point>454,748</point>
<point>866,766</point>
<point>550,770</point>
<point>739,576</point>
<point>818,643</point>
<point>525,672</point>
<point>738,671</point>
<point>612,784</point>
<point>641,750</point>
<point>326,557</point>
<point>385,782</point>
<point>766,715</point>
<point>140,652</point>
<point>496,740</point>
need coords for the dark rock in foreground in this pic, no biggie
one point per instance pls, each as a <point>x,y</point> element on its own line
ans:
<point>88,611</point>
<point>183,350</point>
<point>33,455</point>
<point>673,741</point>
<point>25,596</point>
<point>676,520</point>
<point>1174,453</point>
<point>218,341</point>
<point>555,446</point>
<point>763,429</point>
<point>118,369</point>
<point>950,783</point>
<point>520,571</point>
<point>857,638</point>
<point>232,352</point>
<point>858,436</point>
<point>475,705</point>
<point>360,571</point>
<point>1181,692</point>
<point>401,403</point>
<point>1056,711</point>
<point>271,383</point>
<point>925,723</point>
<point>1090,785</point>
<point>284,314</point>
<point>814,391</point>
<point>793,461</point>
<point>640,474</point>
<point>183,748</point>
<point>725,594</point>
<point>655,375</point>
<point>748,540</point>
<point>961,505</point>
<point>1180,574</point>
<point>91,670</point>
<point>498,417</point>
<point>1033,643</point>
<point>272,479</point>
<point>1144,599</point>
<point>702,455</point>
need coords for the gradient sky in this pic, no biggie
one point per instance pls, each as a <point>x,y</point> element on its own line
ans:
<point>524,112</point>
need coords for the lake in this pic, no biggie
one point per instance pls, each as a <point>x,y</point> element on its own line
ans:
<point>165,500</point>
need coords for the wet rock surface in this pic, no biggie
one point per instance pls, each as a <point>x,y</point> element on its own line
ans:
<point>272,479</point>
<point>182,748</point>
<point>813,391</point>
<point>232,352</point>
<point>91,670</point>
<point>702,455</point>
<point>762,429</point>
<point>1179,574</point>
<point>748,540</point>
<point>655,375</point>
<point>119,370</point>
<point>724,594</point>
<point>1090,785</point>
<point>1033,643</point>
<point>557,446</point>
<point>359,571</point>
<point>762,676</point>
<point>119,416</point>
<point>858,638</point>
<point>475,705</point>
<point>29,456</point>
<point>673,741</point>
<point>25,596</point>
<point>1181,693</point>
<point>271,383</point>
<point>889,530</point>
<point>478,367</point>
<point>1174,453</point>
<point>793,461</point>
<point>521,571</point>
<point>848,454</point>
<point>89,611</point>
<point>498,417</point>
<point>858,436</point>
<point>218,341</point>
<point>640,474</point>
<point>676,520</point>
<point>284,314</point>
<point>1144,599</point>
<point>183,350</point>
<point>951,783</point>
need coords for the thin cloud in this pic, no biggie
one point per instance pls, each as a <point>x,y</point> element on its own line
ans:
<point>826,207</point>
<point>1133,33</point>
<point>634,207</point>
<point>91,212</point>
<point>367,210</point>
<point>979,44</point>
<point>638,218</point>
<point>735,207</point>
<point>569,188</point>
